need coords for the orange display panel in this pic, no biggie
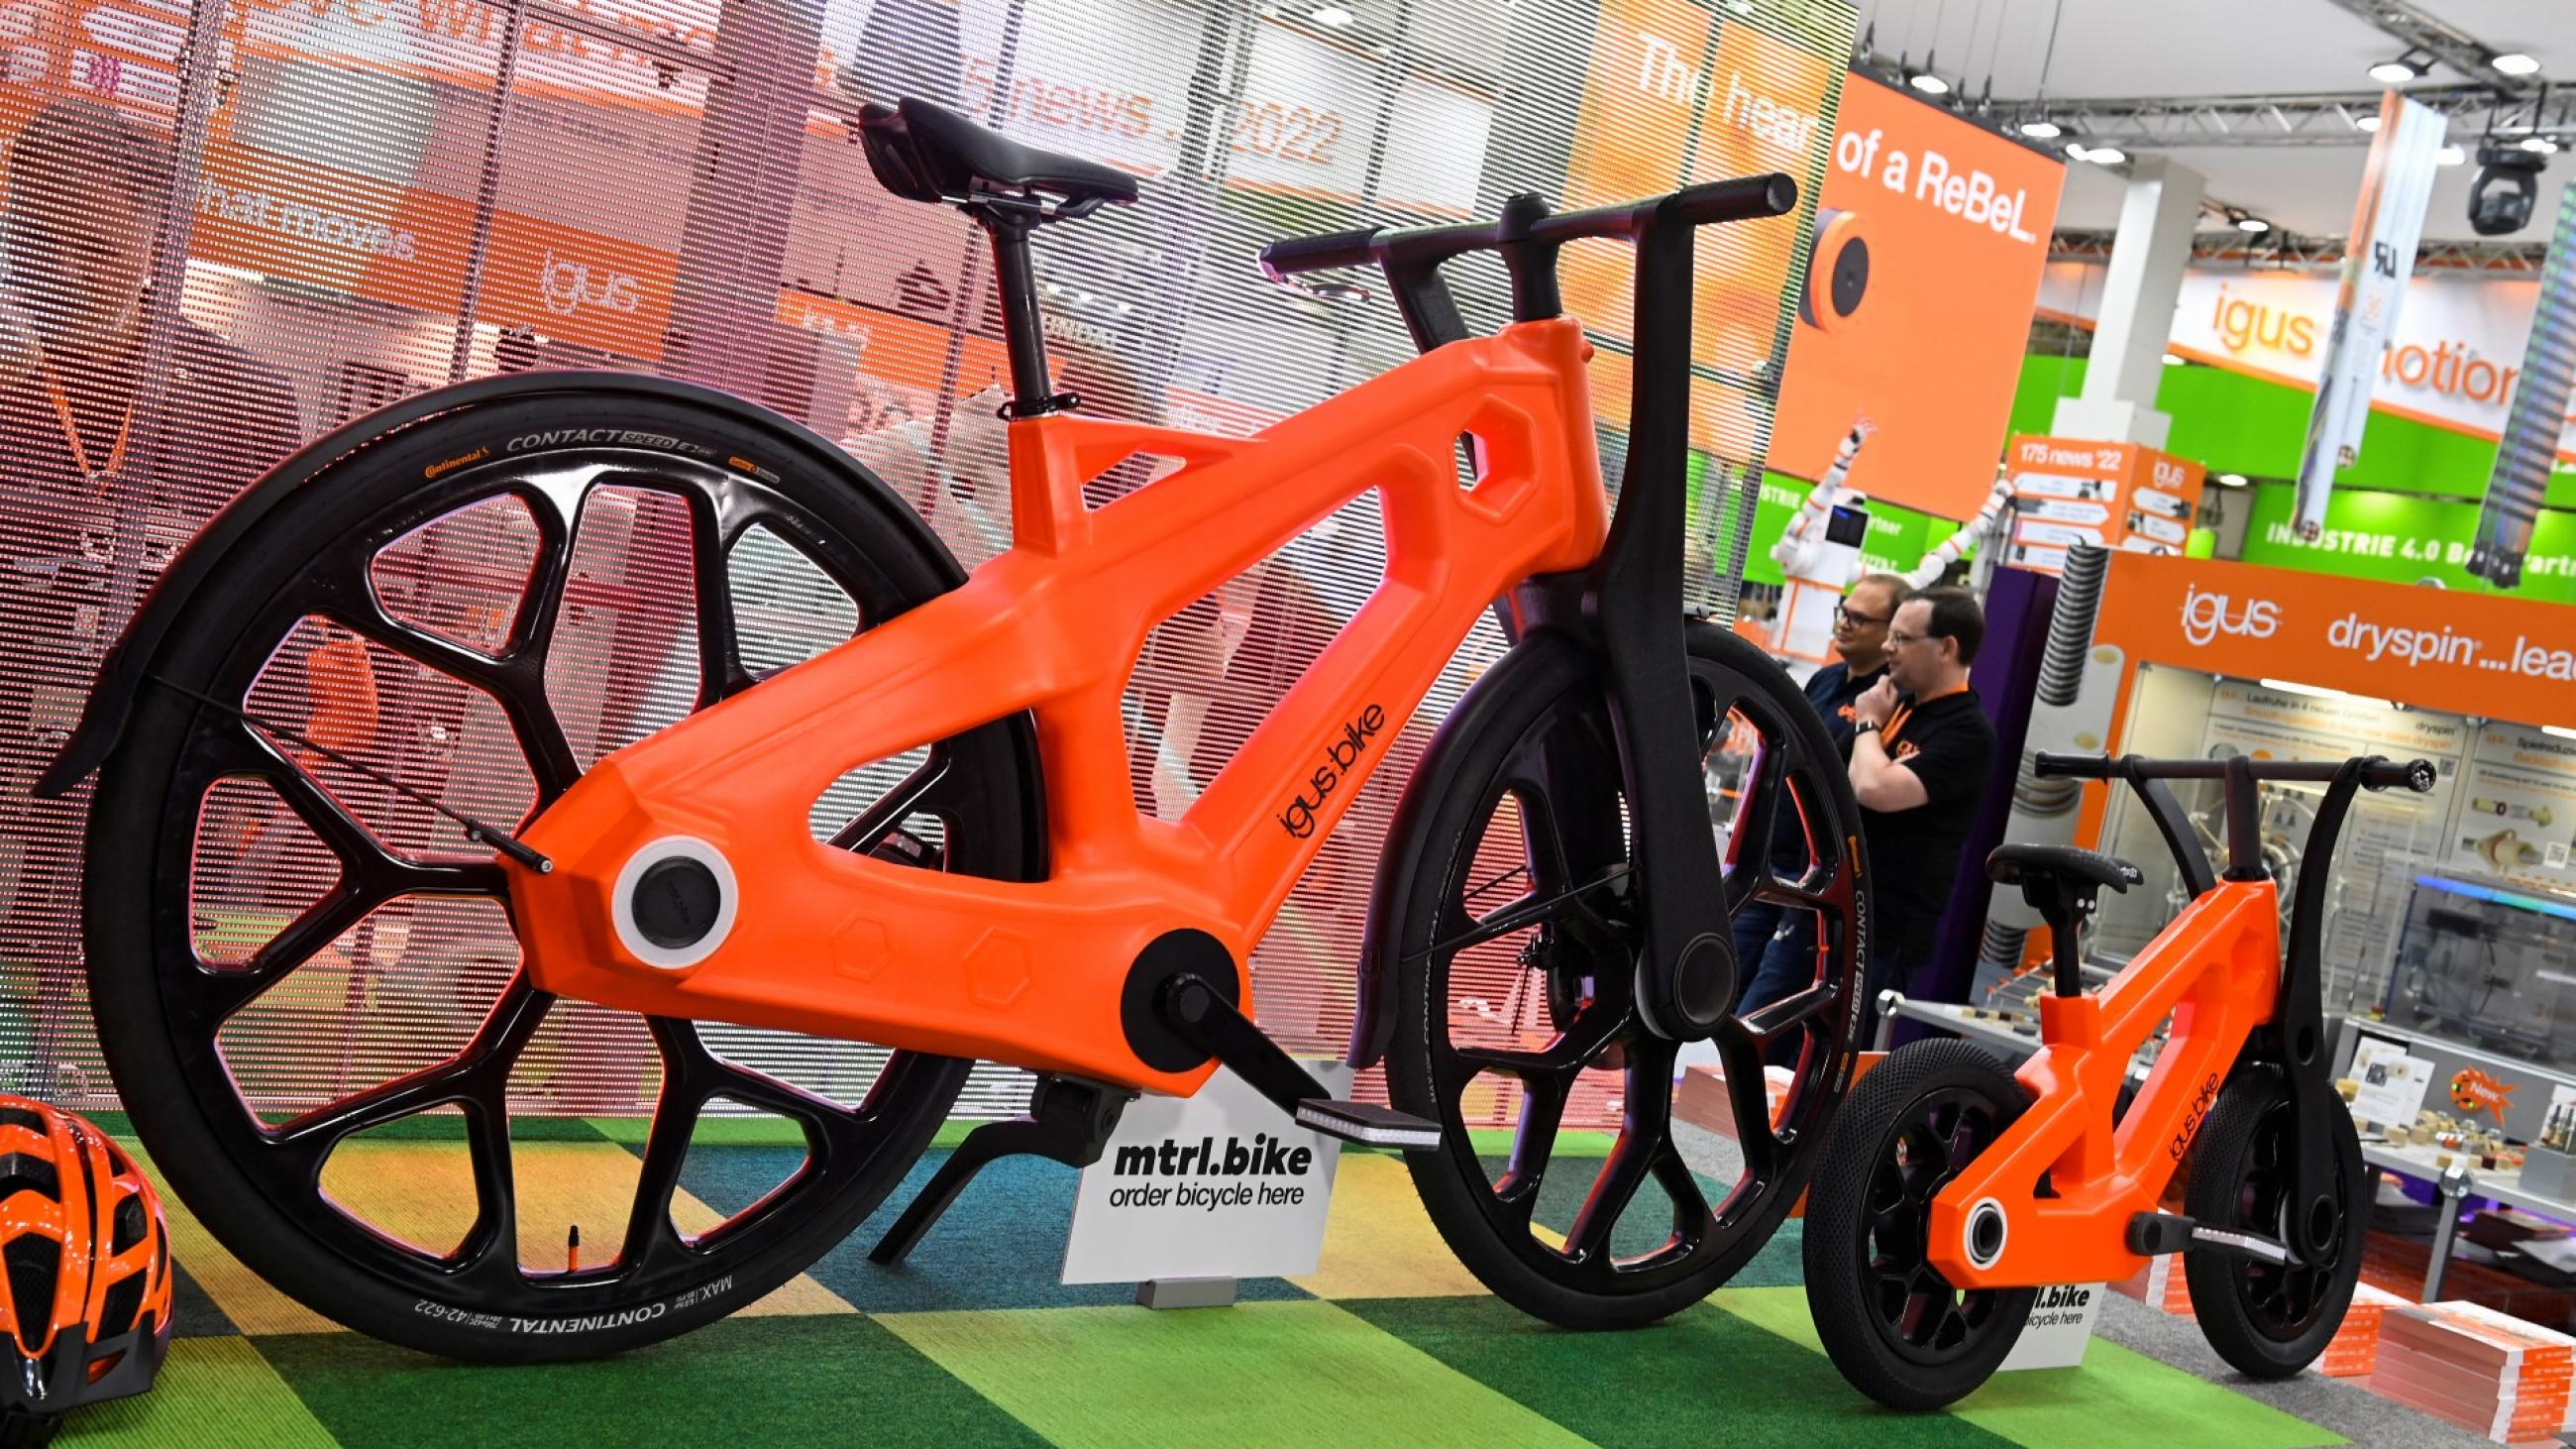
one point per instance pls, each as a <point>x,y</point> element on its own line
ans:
<point>1930,238</point>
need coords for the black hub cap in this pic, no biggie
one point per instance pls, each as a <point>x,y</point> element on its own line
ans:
<point>676,902</point>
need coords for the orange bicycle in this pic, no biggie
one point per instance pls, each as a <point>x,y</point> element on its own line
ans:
<point>1953,1190</point>
<point>995,891</point>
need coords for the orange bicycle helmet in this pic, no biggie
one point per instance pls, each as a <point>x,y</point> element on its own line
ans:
<point>86,1257</point>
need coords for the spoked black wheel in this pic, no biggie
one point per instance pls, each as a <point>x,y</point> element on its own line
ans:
<point>2269,1320</point>
<point>1519,948</point>
<point>1895,1327</point>
<point>302,975</point>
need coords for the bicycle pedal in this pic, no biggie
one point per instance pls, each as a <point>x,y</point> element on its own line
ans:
<point>2154,1234</point>
<point>1367,1124</point>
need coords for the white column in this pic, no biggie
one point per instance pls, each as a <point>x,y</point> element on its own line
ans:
<point>2139,291</point>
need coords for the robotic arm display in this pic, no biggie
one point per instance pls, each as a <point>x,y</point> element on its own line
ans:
<point>1820,551</point>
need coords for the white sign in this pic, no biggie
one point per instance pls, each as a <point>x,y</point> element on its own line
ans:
<point>2062,510</point>
<point>2378,259</point>
<point>2060,535</point>
<point>2054,485</point>
<point>2393,1083</point>
<point>1220,1185</point>
<point>2061,1323</point>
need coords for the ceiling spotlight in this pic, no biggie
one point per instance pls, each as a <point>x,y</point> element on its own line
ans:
<point>2369,122</point>
<point>2404,68</point>
<point>2173,359</point>
<point>2253,224</point>
<point>1928,83</point>
<point>2041,130</point>
<point>2231,480</point>
<point>2515,63</point>
<point>1333,15</point>
<point>2507,186</point>
<point>2539,145</point>
<point>2077,150</point>
<point>2450,156</point>
<point>2105,156</point>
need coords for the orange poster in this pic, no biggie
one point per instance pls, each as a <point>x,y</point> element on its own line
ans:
<point>1930,238</point>
<point>2437,648</point>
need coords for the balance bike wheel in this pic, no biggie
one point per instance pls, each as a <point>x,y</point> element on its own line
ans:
<point>2268,1320</point>
<point>1895,1327</point>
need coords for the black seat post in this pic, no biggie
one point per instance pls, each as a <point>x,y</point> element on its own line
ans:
<point>1033,391</point>
<point>2244,822</point>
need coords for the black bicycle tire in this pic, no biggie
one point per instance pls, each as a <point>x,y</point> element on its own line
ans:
<point>130,799</point>
<point>1453,786</point>
<point>2222,1159</point>
<point>1836,1237</point>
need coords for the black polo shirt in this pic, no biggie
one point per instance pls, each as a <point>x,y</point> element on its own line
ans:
<point>1914,854</point>
<point>1831,690</point>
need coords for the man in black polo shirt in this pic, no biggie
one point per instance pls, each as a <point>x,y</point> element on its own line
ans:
<point>1776,947</point>
<point>1920,755</point>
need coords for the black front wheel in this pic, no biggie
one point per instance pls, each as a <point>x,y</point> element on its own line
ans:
<point>1898,1330</point>
<point>2269,1320</point>
<point>1520,1035</point>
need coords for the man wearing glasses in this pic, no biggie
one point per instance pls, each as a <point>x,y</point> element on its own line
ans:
<point>1920,752</point>
<point>1782,943</point>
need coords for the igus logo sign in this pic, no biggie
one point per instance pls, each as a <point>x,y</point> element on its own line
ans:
<point>2205,616</point>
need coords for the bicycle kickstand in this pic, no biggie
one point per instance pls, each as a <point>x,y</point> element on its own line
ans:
<point>1069,1120</point>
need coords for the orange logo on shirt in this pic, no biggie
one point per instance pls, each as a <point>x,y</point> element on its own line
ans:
<point>1907,749</point>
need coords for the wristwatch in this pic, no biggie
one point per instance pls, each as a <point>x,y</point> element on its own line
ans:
<point>1864,726</point>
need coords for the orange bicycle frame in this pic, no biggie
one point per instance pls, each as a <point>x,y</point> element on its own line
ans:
<point>835,943</point>
<point>2216,970</point>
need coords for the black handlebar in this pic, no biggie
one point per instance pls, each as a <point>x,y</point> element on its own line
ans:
<point>2241,774</point>
<point>2376,773</point>
<point>1743,198</point>
<point>1282,259</point>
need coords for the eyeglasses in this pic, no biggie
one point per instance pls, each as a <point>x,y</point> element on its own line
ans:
<point>1846,614</point>
<point>1898,640</point>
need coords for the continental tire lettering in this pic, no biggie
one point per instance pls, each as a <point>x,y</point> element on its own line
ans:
<point>446,1314</point>
<point>604,438</point>
<point>452,464</point>
<point>590,1322</point>
<point>1859,936</point>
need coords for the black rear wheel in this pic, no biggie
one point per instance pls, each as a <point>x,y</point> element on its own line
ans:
<point>1896,1328</point>
<point>2269,1320</point>
<point>1520,938</point>
<point>293,965</point>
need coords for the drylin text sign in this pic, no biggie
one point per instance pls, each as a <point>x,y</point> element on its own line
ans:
<point>1220,1185</point>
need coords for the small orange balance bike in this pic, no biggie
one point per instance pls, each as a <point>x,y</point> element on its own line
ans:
<point>1953,1190</point>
